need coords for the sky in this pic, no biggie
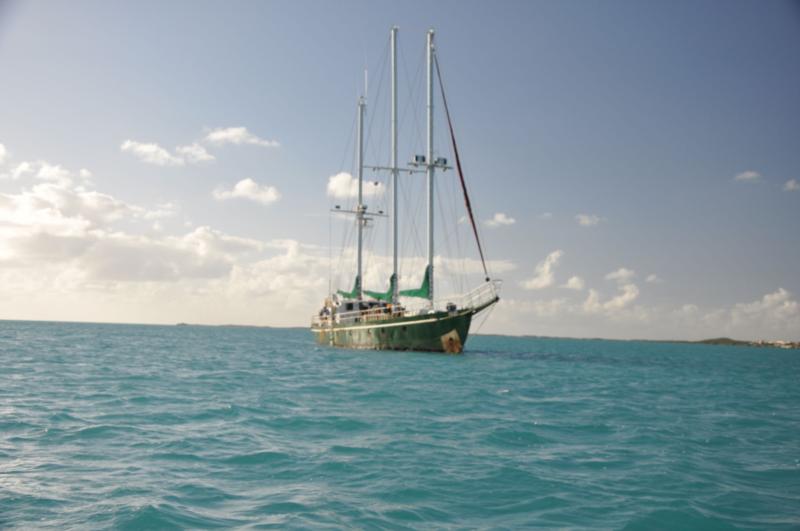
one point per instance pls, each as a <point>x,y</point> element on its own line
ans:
<point>634,166</point>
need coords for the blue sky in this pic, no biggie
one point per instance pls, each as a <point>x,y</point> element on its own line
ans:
<point>637,115</point>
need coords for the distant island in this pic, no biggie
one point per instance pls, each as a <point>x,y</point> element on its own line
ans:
<point>760,343</point>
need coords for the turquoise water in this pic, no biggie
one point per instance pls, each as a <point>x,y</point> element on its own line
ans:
<point>140,427</point>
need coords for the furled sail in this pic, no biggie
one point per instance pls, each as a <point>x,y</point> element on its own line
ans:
<point>356,290</point>
<point>424,291</point>
<point>384,296</point>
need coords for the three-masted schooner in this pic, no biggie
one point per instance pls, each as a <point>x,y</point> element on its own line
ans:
<point>375,320</point>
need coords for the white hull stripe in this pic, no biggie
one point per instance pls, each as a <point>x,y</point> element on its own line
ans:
<point>388,325</point>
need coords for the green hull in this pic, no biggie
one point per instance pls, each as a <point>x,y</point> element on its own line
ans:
<point>436,332</point>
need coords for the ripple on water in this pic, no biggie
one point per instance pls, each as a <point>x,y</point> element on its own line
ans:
<point>260,458</point>
<point>140,427</point>
<point>167,516</point>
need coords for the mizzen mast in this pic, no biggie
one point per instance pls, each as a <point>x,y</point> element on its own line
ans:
<point>430,164</point>
<point>393,163</point>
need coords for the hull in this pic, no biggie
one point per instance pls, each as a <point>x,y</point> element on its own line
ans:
<point>436,332</point>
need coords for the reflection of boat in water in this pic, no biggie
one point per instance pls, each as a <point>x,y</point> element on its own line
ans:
<point>410,319</point>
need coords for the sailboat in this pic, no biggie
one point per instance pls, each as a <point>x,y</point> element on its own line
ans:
<point>363,319</point>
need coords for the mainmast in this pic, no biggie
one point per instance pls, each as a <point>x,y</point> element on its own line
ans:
<point>394,280</point>
<point>430,165</point>
<point>360,208</point>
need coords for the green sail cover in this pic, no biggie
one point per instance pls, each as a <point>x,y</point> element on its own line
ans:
<point>352,294</point>
<point>387,297</point>
<point>424,291</point>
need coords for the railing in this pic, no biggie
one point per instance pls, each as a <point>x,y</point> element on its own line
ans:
<point>480,296</point>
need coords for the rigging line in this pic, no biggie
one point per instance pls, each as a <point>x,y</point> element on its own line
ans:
<point>485,318</point>
<point>450,233</point>
<point>406,125</point>
<point>456,234</point>
<point>416,230</point>
<point>370,237</point>
<point>411,237</point>
<point>349,141</point>
<point>347,149</point>
<point>346,239</point>
<point>458,165</point>
<point>368,145</point>
<point>348,234</point>
<point>444,230</point>
<point>380,103</point>
<point>409,222</point>
<point>414,88</point>
<point>330,251</point>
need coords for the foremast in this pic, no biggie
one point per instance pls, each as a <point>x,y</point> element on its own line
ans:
<point>363,216</point>
<point>360,208</point>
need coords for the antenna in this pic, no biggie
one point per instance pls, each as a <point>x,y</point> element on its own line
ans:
<point>366,82</point>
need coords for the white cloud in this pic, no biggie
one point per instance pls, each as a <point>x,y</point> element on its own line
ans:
<point>749,176</point>
<point>70,251</point>
<point>629,293</point>
<point>151,153</point>
<point>44,171</point>
<point>652,278</point>
<point>588,220</point>
<point>162,211</point>
<point>558,307</point>
<point>574,283</point>
<point>343,186</point>
<point>546,215</point>
<point>791,185</point>
<point>57,226</point>
<point>54,173</point>
<point>622,274</point>
<point>67,251</point>
<point>238,136</point>
<point>21,169</point>
<point>460,266</point>
<point>775,315</point>
<point>194,153</point>
<point>543,273</point>
<point>3,154</point>
<point>500,219</point>
<point>773,309</point>
<point>249,189</point>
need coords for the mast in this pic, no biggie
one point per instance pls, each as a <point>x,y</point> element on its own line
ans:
<point>393,163</point>
<point>360,208</point>
<point>430,165</point>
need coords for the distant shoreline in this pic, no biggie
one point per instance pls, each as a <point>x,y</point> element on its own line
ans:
<point>760,343</point>
<point>724,341</point>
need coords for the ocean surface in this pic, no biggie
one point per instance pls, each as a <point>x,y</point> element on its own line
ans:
<point>161,427</point>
